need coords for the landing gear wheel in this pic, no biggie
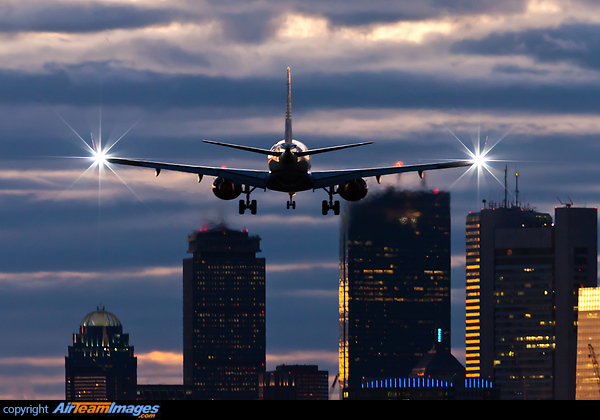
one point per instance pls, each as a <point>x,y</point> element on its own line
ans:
<point>330,205</point>
<point>247,204</point>
<point>291,204</point>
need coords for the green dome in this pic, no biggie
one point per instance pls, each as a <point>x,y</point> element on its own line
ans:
<point>100,318</point>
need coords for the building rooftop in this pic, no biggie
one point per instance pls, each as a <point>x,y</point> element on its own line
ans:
<point>438,363</point>
<point>100,318</point>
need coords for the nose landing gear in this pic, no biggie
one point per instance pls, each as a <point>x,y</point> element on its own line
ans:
<point>291,204</point>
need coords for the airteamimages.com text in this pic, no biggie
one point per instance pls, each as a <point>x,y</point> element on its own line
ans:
<point>67,408</point>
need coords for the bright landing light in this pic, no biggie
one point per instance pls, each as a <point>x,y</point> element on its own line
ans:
<point>99,157</point>
<point>479,160</point>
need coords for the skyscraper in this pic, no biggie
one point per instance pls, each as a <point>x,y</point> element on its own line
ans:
<point>588,344</point>
<point>223,315</point>
<point>522,276</point>
<point>100,364</point>
<point>394,287</point>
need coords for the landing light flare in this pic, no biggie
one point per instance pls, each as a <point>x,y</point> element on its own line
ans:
<point>99,157</point>
<point>479,160</point>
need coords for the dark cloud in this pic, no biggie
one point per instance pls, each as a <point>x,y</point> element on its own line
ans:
<point>169,55</point>
<point>253,27</point>
<point>83,18</point>
<point>122,86</point>
<point>578,44</point>
<point>357,13</point>
<point>253,23</point>
<point>518,70</point>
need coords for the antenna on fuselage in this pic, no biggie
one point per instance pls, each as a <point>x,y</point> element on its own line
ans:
<point>288,110</point>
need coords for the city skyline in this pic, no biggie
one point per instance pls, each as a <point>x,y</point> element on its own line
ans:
<point>410,77</point>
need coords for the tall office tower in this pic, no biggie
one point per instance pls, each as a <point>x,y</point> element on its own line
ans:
<point>394,286</point>
<point>587,384</point>
<point>223,315</point>
<point>522,276</point>
<point>100,364</point>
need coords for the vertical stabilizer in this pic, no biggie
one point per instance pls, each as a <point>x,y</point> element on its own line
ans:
<point>288,110</point>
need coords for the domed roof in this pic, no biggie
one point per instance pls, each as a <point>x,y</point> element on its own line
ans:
<point>100,318</point>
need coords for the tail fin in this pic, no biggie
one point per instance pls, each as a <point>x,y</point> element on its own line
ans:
<point>288,110</point>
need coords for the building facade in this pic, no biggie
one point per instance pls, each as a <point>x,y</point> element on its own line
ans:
<point>223,315</point>
<point>100,365</point>
<point>588,344</point>
<point>394,286</point>
<point>522,275</point>
<point>295,382</point>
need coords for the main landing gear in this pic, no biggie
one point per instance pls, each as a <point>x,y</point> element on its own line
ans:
<point>330,205</point>
<point>247,204</point>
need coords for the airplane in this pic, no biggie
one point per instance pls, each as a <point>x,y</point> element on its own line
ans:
<point>289,171</point>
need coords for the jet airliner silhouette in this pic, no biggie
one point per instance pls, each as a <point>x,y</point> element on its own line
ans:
<point>289,171</point>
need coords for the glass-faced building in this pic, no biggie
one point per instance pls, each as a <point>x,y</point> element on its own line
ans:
<point>588,344</point>
<point>100,365</point>
<point>224,336</point>
<point>394,286</point>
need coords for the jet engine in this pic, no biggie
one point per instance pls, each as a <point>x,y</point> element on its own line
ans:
<point>353,190</point>
<point>226,189</point>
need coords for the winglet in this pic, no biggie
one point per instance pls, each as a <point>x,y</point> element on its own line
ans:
<point>288,110</point>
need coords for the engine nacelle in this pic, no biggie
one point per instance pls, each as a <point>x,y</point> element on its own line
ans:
<point>225,189</point>
<point>353,190</point>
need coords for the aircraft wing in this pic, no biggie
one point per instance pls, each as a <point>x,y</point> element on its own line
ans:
<point>253,178</point>
<point>334,177</point>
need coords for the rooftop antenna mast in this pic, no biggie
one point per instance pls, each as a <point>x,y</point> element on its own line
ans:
<point>517,188</point>
<point>567,205</point>
<point>505,187</point>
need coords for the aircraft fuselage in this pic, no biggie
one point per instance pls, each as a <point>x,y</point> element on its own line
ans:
<point>287,171</point>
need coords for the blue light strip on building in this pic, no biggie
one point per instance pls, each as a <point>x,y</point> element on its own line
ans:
<point>395,383</point>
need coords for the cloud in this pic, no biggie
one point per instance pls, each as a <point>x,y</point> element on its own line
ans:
<point>43,361</point>
<point>577,44</point>
<point>312,91</point>
<point>160,367</point>
<point>309,265</point>
<point>53,279</point>
<point>302,357</point>
<point>359,13</point>
<point>32,377</point>
<point>78,17</point>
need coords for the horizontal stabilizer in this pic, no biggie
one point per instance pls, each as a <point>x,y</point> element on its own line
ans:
<point>330,149</point>
<point>297,153</point>
<point>246,148</point>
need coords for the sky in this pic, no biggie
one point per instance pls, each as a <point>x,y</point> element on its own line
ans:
<point>425,81</point>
